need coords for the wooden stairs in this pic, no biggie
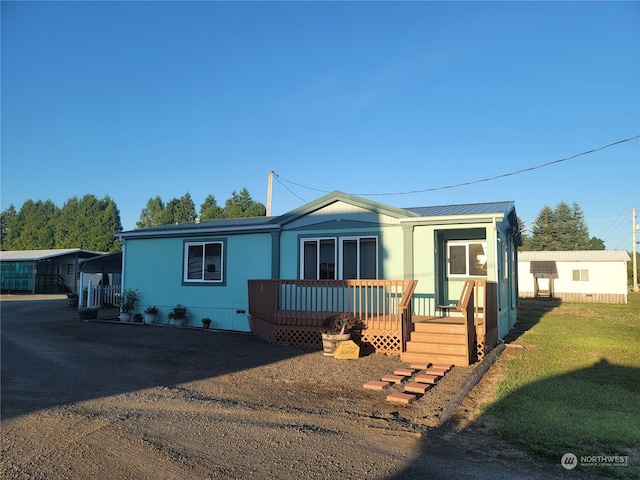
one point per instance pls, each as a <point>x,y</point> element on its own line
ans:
<point>458,337</point>
<point>439,340</point>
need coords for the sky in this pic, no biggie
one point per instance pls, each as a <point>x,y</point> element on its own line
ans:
<point>405,103</point>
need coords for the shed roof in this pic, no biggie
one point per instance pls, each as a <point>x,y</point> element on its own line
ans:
<point>36,255</point>
<point>575,256</point>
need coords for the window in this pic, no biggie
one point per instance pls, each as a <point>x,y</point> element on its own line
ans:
<point>318,259</point>
<point>358,258</point>
<point>467,259</point>
<point>203,262</point>
<point>580,275</point>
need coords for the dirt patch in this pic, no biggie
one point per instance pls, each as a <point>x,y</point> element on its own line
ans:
<point>107,400</point>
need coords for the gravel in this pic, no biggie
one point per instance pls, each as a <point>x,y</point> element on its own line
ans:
<point>108,400</point>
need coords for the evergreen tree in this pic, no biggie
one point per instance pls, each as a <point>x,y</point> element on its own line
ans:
<point>151,215</point>
<point>563,228</point>
<point>542,232</point>
<point>89,223</point>
<point>596,244</point>
<point>242,205</point>
<point>34,226</point>
<point>179,210</point>
<point>210,210</point>
<point>7,221</point>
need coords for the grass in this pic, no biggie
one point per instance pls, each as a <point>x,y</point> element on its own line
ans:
<point>575,387</point>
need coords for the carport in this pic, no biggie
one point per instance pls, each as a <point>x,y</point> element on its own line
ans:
<point>101,277</point>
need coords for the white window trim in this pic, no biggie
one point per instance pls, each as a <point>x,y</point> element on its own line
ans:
<point>357,238</point>
<point>185,266</point>
<point>317,240</point>
<point>466,244</point>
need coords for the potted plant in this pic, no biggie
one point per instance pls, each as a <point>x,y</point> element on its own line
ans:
<point>137,317</point>
<point>179,315</point>
<point>72,300</point>
<point>206,323</point>
<point>150,314</point>
<point>129,299</point>
<point>336,329</point>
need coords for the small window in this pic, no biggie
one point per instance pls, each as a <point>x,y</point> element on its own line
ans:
<point>203,262</point>
<point>580,275</point>
<point>467,259</point>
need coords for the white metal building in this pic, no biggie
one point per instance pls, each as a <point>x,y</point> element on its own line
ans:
<point>575,276</point>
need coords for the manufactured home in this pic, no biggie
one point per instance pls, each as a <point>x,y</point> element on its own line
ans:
<point>406,272</point>
<point>575,276</point>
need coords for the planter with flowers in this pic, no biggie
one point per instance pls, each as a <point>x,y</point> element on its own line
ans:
<point>179,315</point>
<point>150,314</point>
<point>129,300</point>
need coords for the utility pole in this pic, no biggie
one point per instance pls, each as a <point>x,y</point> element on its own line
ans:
<point>269,191</point>
<point>634,248</point>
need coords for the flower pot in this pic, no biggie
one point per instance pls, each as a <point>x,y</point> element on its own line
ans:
<point>125,316</point>
<point>150,318</point>
<point>88,313</point>
<point>179,322</point>
<point>330,342</point>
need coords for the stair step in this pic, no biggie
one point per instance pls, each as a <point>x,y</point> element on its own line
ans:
<point>440,327</point>
<point>439,337</point>
<point>430,357</point>
<point>438,348</point>
<point>404,398</point>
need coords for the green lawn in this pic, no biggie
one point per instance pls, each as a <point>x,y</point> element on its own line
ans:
<point>575,387</point>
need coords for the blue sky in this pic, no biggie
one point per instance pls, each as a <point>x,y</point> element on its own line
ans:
<point>138,99</point>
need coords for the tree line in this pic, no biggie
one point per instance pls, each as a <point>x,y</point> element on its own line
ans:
<point>91,223</point>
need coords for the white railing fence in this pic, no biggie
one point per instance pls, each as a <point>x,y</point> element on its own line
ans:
<point>98,295</point>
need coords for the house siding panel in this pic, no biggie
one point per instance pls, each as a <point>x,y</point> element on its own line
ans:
<point>246,257</point>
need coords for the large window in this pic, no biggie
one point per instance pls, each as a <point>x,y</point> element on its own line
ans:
<point>203,262</point>
<point>357,258</point>
<point>467,259</point>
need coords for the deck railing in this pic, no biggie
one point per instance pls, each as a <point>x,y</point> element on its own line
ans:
<point>381,304</point>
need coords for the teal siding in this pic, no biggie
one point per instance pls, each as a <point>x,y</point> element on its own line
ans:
<point>155,268</point>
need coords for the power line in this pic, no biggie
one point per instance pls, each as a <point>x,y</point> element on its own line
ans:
<point>473,182</point>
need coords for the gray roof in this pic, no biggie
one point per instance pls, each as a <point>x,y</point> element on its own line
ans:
<point>36,255</point>
<point>575,256</point>
<point>255,224</point>
<point>462,209</point>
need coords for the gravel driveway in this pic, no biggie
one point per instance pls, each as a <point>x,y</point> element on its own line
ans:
<point>118,401</point>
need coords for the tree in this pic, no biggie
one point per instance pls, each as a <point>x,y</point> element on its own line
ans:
<point>242,205</point>
<point>210,210</point>
<point>89,223</point>
<point>33,228</point>
<point>7,220</point>
<point>596,244</point>
<point>179,210</point>
<point>151,215</point>
<point>563,228</point>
